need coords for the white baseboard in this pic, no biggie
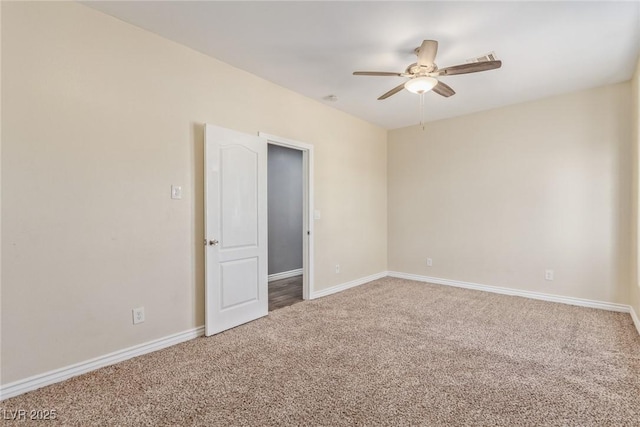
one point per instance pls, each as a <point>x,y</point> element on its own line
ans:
<point>634,316</point>
<point>285,275</point>
<point>516,292</point>
<point>347,285</point>
<point>61,374</point>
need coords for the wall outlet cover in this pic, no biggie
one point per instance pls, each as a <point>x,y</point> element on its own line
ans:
<point>138,315</point>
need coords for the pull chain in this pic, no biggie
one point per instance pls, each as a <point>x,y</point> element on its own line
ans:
<point>422,110</point>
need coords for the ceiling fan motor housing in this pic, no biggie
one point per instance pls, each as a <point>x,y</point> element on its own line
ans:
<point>416,69</point>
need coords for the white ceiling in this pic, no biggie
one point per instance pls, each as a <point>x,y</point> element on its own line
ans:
<point>547,48</point>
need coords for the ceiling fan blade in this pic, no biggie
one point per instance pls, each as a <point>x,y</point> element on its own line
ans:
<point>375,73</point>
<point>444,90</point>
<point>427,53</point>
<point>392,92</point>
<point>473,67</point>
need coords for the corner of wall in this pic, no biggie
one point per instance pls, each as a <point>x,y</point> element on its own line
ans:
<point>634,291</point>
<point>0,191</point>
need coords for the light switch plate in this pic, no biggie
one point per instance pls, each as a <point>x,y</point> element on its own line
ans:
<point>176,192</point>
<point>316,214</point>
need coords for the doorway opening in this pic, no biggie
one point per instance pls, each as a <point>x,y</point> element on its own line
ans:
<point>290,166</point>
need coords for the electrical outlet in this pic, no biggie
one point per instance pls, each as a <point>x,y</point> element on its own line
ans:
<point>138,315</point>
<point>548,275</point>
<point>429,262</point>
<point>337,268</point>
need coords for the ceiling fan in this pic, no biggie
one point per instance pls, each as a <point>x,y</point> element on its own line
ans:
<point>423,74</point>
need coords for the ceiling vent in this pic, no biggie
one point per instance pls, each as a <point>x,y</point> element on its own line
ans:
<point>491,56</point>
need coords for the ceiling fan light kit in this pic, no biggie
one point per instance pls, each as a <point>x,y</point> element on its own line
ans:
<point>420,84</point>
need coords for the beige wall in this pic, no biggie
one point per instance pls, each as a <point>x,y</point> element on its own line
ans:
<point>497,197</point>
<point>99,119</point>
<point>635,276</point>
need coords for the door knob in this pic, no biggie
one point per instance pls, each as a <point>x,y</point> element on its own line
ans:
<point>213,242</point>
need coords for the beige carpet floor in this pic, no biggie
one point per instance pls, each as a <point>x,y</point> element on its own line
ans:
<point>391,352</point>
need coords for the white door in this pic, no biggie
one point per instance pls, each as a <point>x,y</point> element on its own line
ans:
<point>235,229</point>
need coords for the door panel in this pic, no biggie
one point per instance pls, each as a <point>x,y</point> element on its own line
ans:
<point>235,228</point>
<point>239,271</point>
<point>239,195</point>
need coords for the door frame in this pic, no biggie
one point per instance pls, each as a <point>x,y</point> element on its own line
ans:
<point>307,206</point>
